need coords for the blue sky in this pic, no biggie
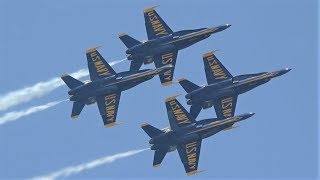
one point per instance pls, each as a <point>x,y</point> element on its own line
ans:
<point>40,40</point>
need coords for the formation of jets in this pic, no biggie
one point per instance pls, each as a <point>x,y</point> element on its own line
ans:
<point>185,133</point>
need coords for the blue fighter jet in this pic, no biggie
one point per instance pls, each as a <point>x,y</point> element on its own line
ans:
<point>185,134</point>
<point>163,44</point>
<point>105,87</point>
<point>223,89</point>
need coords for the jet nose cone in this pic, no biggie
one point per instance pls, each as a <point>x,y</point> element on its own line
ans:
<point>220,28</point>
<point>225,27</point>
<point>287,70</point>
<point>251,114</point>
<point>246,116</point>
<point>281,72</point>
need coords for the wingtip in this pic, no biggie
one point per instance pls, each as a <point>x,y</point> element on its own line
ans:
<point>156,165</point>
<point>167,83</point>
<point>193,172</point>
<point>144,124</point>
<point>122,34</point>
<point>150,9</point>
<point>210,53</point>
<point>90,50</point>
<point>74,116</point>
<point>111,124</point>
<point>181,79</point>
<point>64,75</point>
<point>172,97</point>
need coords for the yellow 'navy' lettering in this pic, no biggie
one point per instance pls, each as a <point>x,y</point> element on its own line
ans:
<point>168,75</point>
<point>167,59</point>
<point>191,150</point>
<point>217,71</point>
<point>110,102</point>
<point>100,67</point>
<point>156,24</point>
<point>181,117</point>
<point>226,105</point>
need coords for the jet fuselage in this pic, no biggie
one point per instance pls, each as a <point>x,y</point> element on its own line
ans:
<point>230,87</point>
<point>172,42</point>
<point>119,82</point>
<point>193,132</point>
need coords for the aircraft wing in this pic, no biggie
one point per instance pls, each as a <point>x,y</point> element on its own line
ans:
<point>214,69</point>
<point>225,107</point>
<point>97,65</point>
<point>168,58</point>
<point>177,114</point>
<point>155,26</point>
<point>189,154</point>
<point>108,107</point>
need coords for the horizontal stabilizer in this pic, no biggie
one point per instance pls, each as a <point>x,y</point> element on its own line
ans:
<point>187,85</point>
<point>70,81</point>
<point>128,40</point>
<point>150,130</point>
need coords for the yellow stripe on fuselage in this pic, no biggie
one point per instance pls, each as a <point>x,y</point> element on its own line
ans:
<point>233,119</point>
<point>190,36</point>
<point>136,77</point>
<point>252,80</point>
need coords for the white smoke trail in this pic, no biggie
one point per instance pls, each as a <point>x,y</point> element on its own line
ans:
<point>39,89</point>
<point>15,115</point>
<point>67,171</point>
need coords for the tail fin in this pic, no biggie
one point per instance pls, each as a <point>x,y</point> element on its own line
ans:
<point>195,110</point>
<point>70,81</point>
<point>128,40</point>
<point>187,85</point>
<point>150,130</point>
<point>76,109</point>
